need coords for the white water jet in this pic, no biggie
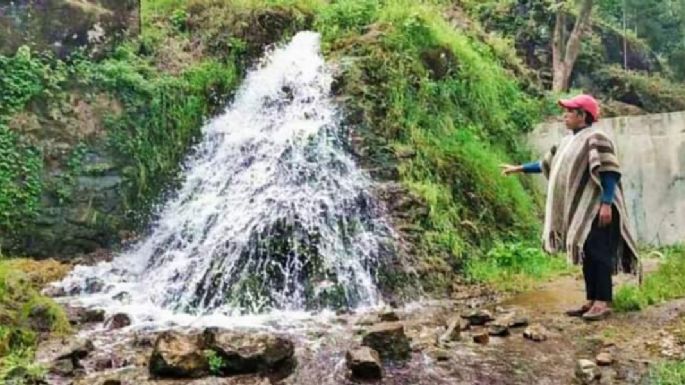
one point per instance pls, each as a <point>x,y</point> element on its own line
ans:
<point>272,213</point>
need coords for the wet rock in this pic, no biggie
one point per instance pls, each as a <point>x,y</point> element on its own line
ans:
<point>389,340</point>
<point>511,320</point>
<point>54,291</point>
<point>177,355</point>
<point>478,317</point>
<point>364,364</point>
<point>498,330</point>
<point>604,359</point>
<point>80,315</point>
<point>103,364</point>
<point>118,321</point>
<point>481,337</point>
<point>123,297</point>
<point>453,332</point>
<point>75,349</point>
<point>93,285</point>
<point>587,372</point>
<point>63,367</point>
<point>536,333</point>
<point>250,353</point>
<point>388,315</point>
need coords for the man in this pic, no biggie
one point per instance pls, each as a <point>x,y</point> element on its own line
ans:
<point>585,214</point>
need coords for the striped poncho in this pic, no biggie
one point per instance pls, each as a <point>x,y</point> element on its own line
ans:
<point>573,197</point>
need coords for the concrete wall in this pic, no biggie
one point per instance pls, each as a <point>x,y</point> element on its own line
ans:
<point>651,149</point>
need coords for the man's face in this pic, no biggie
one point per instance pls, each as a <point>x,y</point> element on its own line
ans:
<point>574,119</point>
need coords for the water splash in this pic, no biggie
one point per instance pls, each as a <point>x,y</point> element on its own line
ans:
<point>272,212</point>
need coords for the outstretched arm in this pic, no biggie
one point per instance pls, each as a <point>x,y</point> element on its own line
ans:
<point>528,168</point>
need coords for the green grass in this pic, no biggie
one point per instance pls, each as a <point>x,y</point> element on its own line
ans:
<point>667,373</point>
<point>516,267</point>
<point>665,284</point>
<point>20,282</point>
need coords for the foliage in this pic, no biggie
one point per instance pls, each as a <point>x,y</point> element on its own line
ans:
<point>19,293</point>
<point>660,23</point>
<point>423,87</point>
<point>667,373</point>
<point>22,77</point>
<point>216,362</point>
<point>515,266</point>
<point>665,284</point>
<point>649,92</point>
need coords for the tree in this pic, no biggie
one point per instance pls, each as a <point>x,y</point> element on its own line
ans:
<point>565,51</point>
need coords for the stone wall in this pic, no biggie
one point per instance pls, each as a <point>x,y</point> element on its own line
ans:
<point>66,25</point>
<point>652,152</point>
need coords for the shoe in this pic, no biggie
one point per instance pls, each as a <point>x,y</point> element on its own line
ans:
<point>597,315</point>
<point>578,312</point>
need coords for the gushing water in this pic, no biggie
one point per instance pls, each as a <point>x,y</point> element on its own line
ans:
<point>272,214</point>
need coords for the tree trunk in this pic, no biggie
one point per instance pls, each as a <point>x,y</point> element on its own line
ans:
<point>564,54</point>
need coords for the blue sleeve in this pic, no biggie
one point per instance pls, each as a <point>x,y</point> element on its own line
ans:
<point>609,180</point>
<point>532,168</point>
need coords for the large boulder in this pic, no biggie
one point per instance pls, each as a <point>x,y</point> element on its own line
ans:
<point>63,26</point>
<point>242,353</point>
<point>178,355</point>
<point>389,340</point>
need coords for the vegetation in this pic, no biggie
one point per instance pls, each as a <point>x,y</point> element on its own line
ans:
<point>665,284</point>
<point>667,373</point>
<point>516,267</point>
<point>20,282</point>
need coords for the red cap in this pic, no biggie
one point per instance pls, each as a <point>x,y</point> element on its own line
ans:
<point>584,102</point>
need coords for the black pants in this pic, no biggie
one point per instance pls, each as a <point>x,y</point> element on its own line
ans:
<point>600,254</point>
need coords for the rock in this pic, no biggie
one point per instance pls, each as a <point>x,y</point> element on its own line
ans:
<point>464,324</point>
<point>63,367</point>
<point>103,364</point>
<point>478,317</point>
<point>388,316</point>
<point>535,333</point>
<point>426,338</point>
<point>364,364</point>
<point>604,359</point>
<point>65,26</point>
<point>389,340</point>
<point>117,321</point>
<point>93,285</point>
<point>481,337</point>
<point>519,321</point>
<point>81,315</point>
<point>40,318</point>
<point>75,349</point>
<point>123,297</point>
<point>111,381</point>
<point>243,353</point>
<point>511,320</point>
<point>177,355</point>
<point>54,291</point>
<point>587,371</point>
<point>498,330</point>
<point>367,320</point>
<point>439,355</point>
<point>453,332</point>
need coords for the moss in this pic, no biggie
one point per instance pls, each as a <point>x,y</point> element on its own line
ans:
<point>19,299</point>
